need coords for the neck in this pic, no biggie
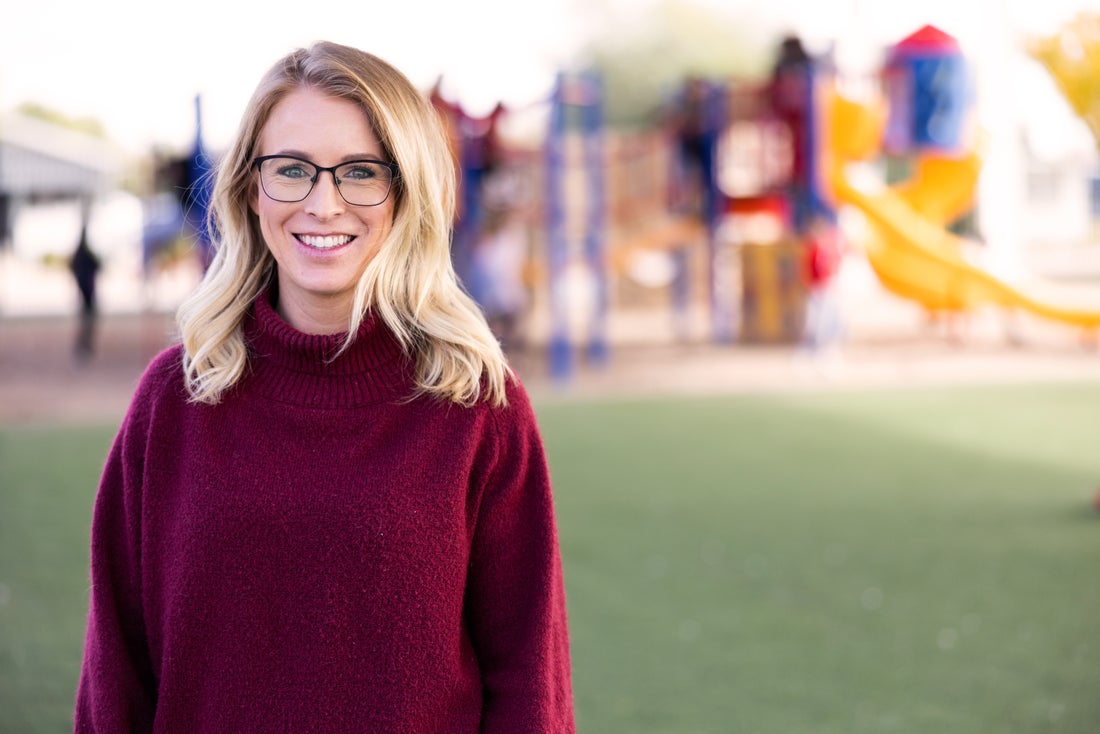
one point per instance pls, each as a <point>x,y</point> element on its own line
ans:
<point>315,315</point>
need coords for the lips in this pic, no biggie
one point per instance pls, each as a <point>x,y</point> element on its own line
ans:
<point>324,242</point>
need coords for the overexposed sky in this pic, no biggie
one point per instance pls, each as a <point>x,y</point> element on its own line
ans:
<point>136,65</point>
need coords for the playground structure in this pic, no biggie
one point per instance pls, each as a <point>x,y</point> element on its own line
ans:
<point>614,220</point>
<point>738,198</point>
<point>579,194</point>
<point>691,222</point>
<point>910,246</point>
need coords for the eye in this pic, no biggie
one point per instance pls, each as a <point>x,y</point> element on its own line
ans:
<point>361,171</point>
<point>293,170</point>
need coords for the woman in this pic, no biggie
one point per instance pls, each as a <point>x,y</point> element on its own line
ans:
<point>328,509</point>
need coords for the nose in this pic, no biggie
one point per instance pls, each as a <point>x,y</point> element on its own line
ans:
<point>324,200</point>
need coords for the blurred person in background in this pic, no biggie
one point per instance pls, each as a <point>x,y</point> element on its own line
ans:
<point>328,508</point>
<point>687,121</point>
<point>85,266</point>
<point>824,255</point>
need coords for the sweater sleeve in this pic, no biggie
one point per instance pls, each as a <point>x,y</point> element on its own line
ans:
<point>515,597</point>
<point>116,691</point>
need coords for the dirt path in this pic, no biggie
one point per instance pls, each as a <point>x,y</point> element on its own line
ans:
<point>41,382</point>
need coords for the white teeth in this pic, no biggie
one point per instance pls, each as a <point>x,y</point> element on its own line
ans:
<point>325,243</point>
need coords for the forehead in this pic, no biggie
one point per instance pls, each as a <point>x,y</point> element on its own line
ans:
<point>314,124</point>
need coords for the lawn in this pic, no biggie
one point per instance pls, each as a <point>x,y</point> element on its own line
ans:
<point>920,560</point>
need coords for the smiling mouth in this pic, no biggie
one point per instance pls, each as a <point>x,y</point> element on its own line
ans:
<point>328,242</point>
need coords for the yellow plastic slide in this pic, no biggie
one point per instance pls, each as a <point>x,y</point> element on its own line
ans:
<point>909,247</point>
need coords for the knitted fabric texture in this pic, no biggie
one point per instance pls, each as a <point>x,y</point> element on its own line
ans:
<point>321,553</point>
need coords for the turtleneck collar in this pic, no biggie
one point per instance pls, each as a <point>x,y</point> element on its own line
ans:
<point>293,367</point>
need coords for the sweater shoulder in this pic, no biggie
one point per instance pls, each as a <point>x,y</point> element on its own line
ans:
<point>519,402</point>
<point>161,382</point>
<point>515,420</point>
<point>516,400</point>
<point>164,373</point>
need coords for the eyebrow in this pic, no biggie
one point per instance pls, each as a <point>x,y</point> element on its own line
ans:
<point>344,159</point>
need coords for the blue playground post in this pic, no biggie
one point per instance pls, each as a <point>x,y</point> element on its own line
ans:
<point>715,114</point>
<point>594,231</point>
<point>557,244</point>
<point>472,166</point>
<point>582,95</point>
<point>819,72</point>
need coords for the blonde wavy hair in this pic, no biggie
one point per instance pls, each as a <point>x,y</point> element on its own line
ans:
<point>410,284</point>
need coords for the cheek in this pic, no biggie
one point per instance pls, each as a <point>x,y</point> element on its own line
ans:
<point>261,216</point>
<point>269,213</point>
<point>267,222</point>
<point>386,219</point>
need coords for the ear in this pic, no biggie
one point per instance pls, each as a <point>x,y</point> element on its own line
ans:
<point>254,197</point>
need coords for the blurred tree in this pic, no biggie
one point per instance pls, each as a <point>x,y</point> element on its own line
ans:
<point>1072,57</point>
<point>645,56</point>
<point>87,125</point>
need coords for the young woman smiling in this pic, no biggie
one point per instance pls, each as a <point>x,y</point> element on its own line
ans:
<point>328,508</point>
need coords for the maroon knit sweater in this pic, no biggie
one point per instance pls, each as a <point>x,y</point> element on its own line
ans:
<point>319,553</point>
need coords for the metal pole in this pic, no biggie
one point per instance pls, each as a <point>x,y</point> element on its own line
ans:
<point>594,233</point>
<point>557,244</point>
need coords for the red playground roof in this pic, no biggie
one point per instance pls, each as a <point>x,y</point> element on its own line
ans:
<point>927,40</point>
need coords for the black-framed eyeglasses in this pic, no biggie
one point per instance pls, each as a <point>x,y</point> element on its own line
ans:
<point>289,179</point>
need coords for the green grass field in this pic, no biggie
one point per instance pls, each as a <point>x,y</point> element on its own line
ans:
<point>921,560</point>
